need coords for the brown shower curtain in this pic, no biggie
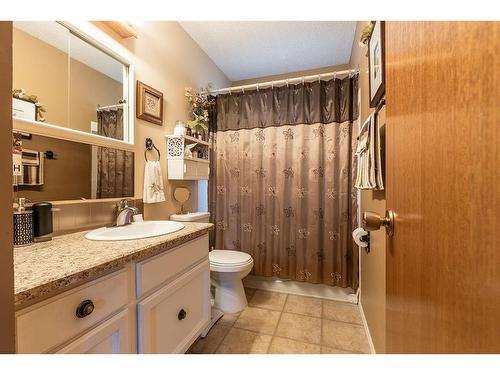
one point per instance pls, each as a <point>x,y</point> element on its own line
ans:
<point>115,168</point>
<point>281,185</point>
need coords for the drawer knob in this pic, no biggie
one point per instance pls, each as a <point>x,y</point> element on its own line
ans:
<point>85,308</point>
<point>182,314</point>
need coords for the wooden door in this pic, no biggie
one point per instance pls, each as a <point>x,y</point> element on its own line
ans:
<point>442,161</point>
<point>114,336</point>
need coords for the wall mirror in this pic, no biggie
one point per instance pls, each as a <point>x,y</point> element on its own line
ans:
<point>79,84</point>
<point>96,172</point>
<point>181,195</point>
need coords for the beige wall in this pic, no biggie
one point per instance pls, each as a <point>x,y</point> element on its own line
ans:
<point>372,264</point>
<point>166,58</point>
<point>43,70</point>
<point>6,253</point>
<point>301,73</point>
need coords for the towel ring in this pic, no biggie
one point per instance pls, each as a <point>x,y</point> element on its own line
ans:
<point>149,147</point>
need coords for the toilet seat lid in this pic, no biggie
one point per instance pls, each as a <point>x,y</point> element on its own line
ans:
<point>229,257</point>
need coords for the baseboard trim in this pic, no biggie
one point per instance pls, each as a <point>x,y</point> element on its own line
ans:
<point>367,329</point>
<point>302,289</point>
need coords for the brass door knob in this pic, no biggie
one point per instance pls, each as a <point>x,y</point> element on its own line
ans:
<point>373,221</point>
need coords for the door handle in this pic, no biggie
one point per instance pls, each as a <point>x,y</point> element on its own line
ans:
<point>373,221</point>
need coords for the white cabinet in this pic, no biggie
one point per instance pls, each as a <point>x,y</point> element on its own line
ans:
<point>185,168</point>
<point>51,323</point>
<point>168,311</point>
<point>114,336</point>
<point>171,319</point>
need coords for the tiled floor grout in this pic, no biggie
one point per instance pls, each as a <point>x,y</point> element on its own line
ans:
<point>277,324</point>
<point>274,335</point>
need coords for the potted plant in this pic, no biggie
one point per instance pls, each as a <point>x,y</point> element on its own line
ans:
<point>199,111</point>
<point>365,35</point>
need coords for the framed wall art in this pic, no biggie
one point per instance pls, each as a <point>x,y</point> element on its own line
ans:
<point>376,63</point>
<point>149,104</point>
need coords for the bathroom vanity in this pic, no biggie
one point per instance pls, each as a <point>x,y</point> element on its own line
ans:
<point>74,295</point>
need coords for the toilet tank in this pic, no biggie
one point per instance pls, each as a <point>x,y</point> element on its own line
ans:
<point>196,217</point>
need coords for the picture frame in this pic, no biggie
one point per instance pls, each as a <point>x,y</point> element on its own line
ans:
<point>376,63</point>
<point>149,104</point>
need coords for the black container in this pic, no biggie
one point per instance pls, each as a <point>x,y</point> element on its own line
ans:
<point>23,228</point>
<point>42,219</point>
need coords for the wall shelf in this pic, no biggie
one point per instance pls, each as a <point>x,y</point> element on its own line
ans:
<point>181,167</point>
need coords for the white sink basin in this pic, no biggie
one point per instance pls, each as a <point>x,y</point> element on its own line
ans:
<point>134,231</point>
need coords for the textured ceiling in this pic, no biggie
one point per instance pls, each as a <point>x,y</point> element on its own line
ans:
<point>251,49</point>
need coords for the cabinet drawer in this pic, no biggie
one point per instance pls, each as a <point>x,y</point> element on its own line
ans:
<point>154,271</point>
<point>53,322</point>
<point>171,318</point>
<point>113,336</point>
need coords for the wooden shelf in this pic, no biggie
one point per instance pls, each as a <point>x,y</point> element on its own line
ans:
<point>198,160</point>
<point>190,139</point>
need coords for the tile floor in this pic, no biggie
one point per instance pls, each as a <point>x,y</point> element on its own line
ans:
<point>278,323</point>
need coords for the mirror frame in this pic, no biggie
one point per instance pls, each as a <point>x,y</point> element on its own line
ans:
<point>100,40</point>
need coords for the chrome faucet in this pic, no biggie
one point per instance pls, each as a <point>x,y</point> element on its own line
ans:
<point>124,213</point>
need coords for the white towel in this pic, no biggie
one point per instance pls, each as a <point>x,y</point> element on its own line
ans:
<point>368,155</point>
<point>153,183</point>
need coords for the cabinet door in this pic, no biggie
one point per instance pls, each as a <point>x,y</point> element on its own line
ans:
<point>172,318</point>
<point>203,171</point>
<point>190,169</point>
<point>113,336</point>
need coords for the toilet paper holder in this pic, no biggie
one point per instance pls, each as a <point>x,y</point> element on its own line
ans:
<point>366,238</point>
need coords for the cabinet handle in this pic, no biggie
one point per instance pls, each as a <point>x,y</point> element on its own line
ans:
<point>182,314</point>
<point>85,308</point>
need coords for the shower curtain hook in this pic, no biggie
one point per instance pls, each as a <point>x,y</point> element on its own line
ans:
<point>230,91</point>
<point>243,89</point>
<point>257,87</point>
<point>303,80</point>
<point>287,83</point>
<point>334,76</point>
<point>319,78</point>
<point>272,85</point>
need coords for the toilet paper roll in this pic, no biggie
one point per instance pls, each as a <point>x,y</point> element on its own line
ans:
<point>357,234</point>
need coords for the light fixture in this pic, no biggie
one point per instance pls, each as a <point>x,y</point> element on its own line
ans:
<point>126,29</point>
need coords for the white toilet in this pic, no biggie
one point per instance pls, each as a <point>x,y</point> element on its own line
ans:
<point>227,270</point>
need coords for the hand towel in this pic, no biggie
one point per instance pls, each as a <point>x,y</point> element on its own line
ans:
<point>368,156</point>
<point>153,183</point>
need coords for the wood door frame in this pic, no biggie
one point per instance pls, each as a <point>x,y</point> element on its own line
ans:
<point>7,338</point>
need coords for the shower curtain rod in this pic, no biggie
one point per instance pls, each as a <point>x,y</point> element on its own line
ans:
<point>281,81</point>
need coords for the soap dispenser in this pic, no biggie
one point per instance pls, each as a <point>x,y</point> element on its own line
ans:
<point>23,224</point>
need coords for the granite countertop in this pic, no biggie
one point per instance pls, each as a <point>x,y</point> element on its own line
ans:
<point>43,269</point>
